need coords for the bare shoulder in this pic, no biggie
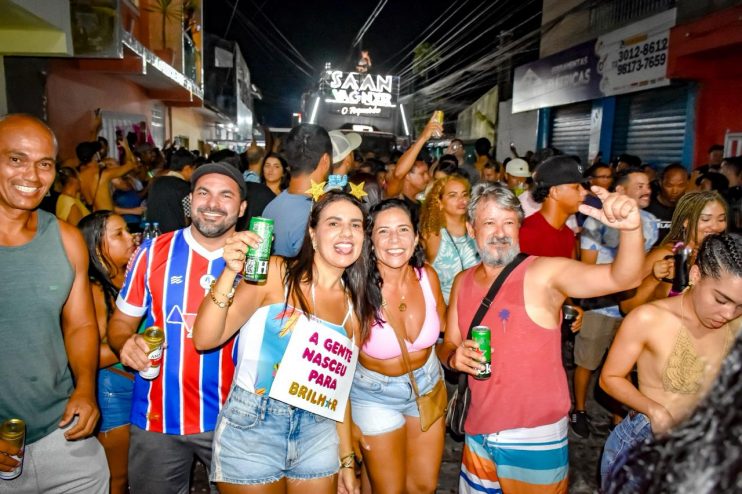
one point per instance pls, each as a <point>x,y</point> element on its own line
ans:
<point>275,284</point>
<point>74,244</point>
<point>650,319</point>
<point>431,272</point>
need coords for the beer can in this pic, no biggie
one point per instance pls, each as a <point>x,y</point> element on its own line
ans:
<point>438,117</point>
<point>13,432</point>
<point>481,335</point>
<point>155,337</point>
<point>256,262</point>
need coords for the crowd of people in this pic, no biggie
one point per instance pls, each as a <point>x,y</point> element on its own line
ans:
<point>380,267</point>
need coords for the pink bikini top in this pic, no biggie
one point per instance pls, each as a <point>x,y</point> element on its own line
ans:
<point>383,344</point>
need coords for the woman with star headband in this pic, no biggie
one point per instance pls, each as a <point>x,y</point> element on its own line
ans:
<point>312,309</point>
<point>408,309</point>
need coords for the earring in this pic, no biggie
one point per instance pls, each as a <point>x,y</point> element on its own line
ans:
<point>314,244</point>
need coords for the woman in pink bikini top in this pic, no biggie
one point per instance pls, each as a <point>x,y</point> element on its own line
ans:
<point>406,296</point>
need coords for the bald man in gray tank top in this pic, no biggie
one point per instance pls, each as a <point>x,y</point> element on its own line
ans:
<point>48,333</point>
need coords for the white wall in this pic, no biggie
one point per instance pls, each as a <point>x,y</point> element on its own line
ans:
<point>520,128</point>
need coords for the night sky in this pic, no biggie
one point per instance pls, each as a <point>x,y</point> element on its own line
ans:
<point>322,32</point>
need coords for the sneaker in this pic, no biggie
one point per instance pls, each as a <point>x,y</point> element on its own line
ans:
<point>580,422</point>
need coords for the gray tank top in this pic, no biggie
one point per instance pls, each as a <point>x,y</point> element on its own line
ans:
<point>35,280</point>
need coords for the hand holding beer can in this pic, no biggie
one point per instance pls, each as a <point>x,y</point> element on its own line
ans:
<point>154,337</point>
<point>438,117</point>
<point>256,261</point>
<point>13,433</point>
<point>481,335</point>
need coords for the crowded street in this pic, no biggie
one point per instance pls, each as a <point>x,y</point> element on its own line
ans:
<point>376,248</point>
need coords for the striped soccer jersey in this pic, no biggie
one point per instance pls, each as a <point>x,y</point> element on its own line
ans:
<point>166,282</point>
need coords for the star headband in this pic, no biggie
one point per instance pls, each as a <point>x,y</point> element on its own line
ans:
<point>317,190</point>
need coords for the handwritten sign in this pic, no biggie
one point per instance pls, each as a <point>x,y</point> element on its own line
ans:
<point>316,371</point>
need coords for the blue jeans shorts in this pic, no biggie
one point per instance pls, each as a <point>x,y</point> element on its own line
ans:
<point>632,430</point>
<point>380,403</point>
<point>259,440</point>
<point>114,399</point>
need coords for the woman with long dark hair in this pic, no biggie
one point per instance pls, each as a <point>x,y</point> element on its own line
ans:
<point>408,307</point>
<point>318,300</point>
<point>275,173</point>
<point>110,245</point>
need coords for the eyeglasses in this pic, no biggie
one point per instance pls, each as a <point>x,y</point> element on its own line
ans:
<point>602,176</point>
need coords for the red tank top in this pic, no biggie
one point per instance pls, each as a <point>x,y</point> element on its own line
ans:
<point>528,386</point>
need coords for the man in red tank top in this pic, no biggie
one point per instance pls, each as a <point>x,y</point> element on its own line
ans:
<point>516,428</point>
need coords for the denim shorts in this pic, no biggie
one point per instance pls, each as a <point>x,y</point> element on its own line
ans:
<point>114,399</point>
<point>259,440</point>
<point>380,403</point>
<point>632,430</point>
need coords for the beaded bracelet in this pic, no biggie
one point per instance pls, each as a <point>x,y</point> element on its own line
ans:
<point>229,296</point>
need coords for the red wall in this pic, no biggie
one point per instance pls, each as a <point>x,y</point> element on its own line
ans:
<point>74,94</point>
<point>718,111</point>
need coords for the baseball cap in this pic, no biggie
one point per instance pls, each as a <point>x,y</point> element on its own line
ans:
<point>517,168</point>
<point>343,144</point>
<point>558,170</point>
<point>223,169</point>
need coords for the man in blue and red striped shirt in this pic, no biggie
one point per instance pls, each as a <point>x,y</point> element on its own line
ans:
<point>173,415</point>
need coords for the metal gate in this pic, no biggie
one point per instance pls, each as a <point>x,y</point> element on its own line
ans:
<point>652,125</point>
<point>570,129</point>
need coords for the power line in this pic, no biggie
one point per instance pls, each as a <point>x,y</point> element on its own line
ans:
<point>401,51</point>
<point>290,45</point>
<point>231,17</point>
<point>451,36</point>
<point>252,29</point>
<point>460,48</point>
<point>264,42</point>
<point>369,21</point>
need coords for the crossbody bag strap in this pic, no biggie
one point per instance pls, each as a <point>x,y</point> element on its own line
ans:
<point>492,293</point>
<point>485,305</point>
<point>406,359</point>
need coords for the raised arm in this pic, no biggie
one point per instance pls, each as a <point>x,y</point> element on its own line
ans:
<point>407,160</point>
<point>594,280</point>
<point>631,340</point>
<point>130,163</point>
<point>219,318</point>
<point>81,339</point>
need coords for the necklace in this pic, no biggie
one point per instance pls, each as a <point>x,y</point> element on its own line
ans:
<point>402,305</point>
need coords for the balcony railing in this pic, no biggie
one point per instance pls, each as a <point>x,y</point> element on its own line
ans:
<point>606,15</point>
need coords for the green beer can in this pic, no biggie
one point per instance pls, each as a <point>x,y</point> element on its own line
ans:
<point>256,262</point>
<point>481,335</point>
